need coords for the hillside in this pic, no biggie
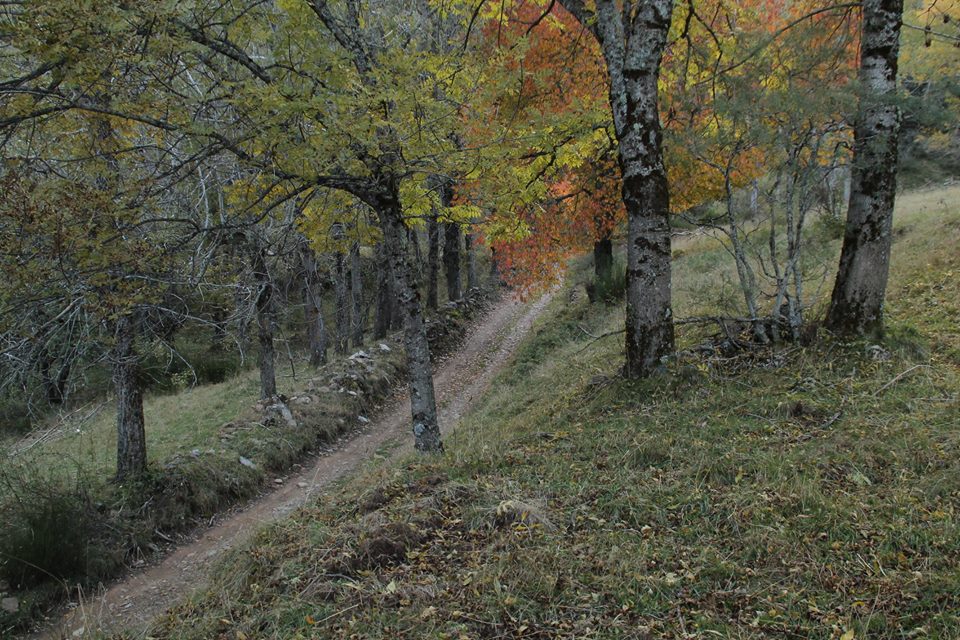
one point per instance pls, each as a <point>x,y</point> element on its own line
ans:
<point>809,491</point>
<point>479,319</point>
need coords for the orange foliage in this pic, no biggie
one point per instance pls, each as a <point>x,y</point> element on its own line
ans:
<point>745,45</point>
<point>564,81</point>
<point>585,207</point>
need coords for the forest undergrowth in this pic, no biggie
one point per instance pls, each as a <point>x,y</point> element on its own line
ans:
<point>63,526</point>
<point>800,491</point>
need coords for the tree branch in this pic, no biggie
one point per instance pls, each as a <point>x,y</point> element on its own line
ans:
<point>347,36</point>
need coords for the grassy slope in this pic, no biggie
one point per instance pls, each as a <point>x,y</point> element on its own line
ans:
<point>174,422</point>
<point>61,517</point>
<point>807,492</point>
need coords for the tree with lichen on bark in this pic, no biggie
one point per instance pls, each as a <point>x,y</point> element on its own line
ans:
<point>856,306</point>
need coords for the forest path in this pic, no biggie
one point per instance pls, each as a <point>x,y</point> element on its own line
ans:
<point>460,379</point>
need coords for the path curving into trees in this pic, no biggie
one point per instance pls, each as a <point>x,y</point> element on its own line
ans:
<point>460,380</point>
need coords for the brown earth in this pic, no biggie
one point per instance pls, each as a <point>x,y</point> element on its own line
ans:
<point>131,603</point>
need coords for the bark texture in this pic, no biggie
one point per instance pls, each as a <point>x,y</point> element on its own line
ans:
<point>423,406</point>
<point>396,308</point>
<point>632,37</point>
<point>856,306</point>
<point>131,436</point>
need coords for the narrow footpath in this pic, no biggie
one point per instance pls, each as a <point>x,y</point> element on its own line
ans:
<point>460,379</point>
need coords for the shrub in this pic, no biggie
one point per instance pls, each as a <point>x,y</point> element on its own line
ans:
<point>15,417</point>
<point>51,533</point>
<point>50,530</point>
<point>194,363</point>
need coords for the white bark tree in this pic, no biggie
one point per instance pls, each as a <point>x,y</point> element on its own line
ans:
<point>856,306</point>
<point>632,36</point>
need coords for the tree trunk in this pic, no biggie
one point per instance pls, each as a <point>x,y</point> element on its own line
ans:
<point>54,386</point>
<point>472,281</point>
<point>856,306</point>
<point>316,327</point>
<point>603,259</point>
<point>381,321</point>
<point>494,268</point>
<point>266,356</point>
<point>131,435</point>
<point>649,323</point>
<point>341,289</point>
<point>313,312</point>
<point>218,318</point>
<point>423,406</point>
<point>632,41</point>
<point>649,315</point>
<point>414,239</point>
<point>451,259</point>
<point>396,306</point>
<point>433,260</point>
<point>745,273</point>
<point>356,296</point>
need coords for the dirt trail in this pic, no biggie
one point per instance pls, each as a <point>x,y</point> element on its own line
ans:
<point>460,379</point>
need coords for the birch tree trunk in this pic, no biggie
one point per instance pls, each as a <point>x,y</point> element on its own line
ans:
<point>423,405</point>
<point>131,435</point>
<point>856,306</point>
<point>632,37</point>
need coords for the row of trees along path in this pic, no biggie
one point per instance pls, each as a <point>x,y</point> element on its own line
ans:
<point>155,138</point>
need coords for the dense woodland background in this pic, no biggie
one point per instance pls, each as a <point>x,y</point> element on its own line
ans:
<point>212,210</point>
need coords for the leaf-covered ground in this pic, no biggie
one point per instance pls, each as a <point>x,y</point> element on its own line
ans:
<point>800,492</point>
